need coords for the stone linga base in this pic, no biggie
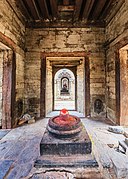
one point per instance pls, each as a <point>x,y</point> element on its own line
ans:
<point>67,152</point>
<point>79,144</point>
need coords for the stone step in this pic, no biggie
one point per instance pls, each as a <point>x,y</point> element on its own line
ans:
<point>66,161</point>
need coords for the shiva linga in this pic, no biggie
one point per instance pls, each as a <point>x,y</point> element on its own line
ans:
<point>65,143</point>
<point>64,125</point>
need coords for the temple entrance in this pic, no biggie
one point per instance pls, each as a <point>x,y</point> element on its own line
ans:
<point>64,89</point>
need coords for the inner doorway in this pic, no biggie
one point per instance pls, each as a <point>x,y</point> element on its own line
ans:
<point>64,89</point>
<point>78,63</point>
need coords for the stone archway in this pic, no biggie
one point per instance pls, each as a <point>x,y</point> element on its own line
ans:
<point>64,89</point>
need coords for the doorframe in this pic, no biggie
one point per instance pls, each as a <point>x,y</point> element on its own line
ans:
<point>117,47</point>
<point>9,90</point>
<point>44,55</point>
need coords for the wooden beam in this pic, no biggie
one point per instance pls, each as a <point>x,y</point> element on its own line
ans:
<point>65,2</point>
<point>87,86</point>
<point>32,9</point>
<point>36,9</point>
<point>98,8</point>
<point>43,87</point>
<point>77,9</point>
<point>66,8</point>
<point>8,89</point>
<point>54,9</point>
<point>115,9</point>
<point>117,85</point>
<point>27,13</point>
<point>44,9</point>
<point>107,8</point>
<point>88,8</point>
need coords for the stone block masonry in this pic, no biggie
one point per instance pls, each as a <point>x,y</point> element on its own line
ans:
<point>12,34</point>
<point>88,40</point>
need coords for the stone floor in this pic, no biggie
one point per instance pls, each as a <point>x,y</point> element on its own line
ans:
<point>19,148</point>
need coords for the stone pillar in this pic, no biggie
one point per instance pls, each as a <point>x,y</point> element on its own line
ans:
<point>8,89</point>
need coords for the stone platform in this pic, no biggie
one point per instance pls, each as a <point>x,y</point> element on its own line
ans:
<point>67,152</point>
<point>79,144</point>
<point>72,161</point>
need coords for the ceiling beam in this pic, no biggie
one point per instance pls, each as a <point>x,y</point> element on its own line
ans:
<point>65,2</point>
<point>44,9</point>
<point>54,9</point>
<point>37,11</point>
<point>88,8</point>
<point>32,9</point>
<point>66,8</point>
<point>25,10</point>
<point>98,8</point>
<point>115,9</point>
<point>107,8</point>
<point>77,11</point>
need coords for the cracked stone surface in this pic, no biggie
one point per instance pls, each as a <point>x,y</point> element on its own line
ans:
<point>20,148</point>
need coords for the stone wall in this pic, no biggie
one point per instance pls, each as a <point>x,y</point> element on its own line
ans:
<point>116,37</point>
<point>12,31</point>
<point>89,40</point>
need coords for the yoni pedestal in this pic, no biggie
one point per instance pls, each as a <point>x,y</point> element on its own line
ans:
<point>65,143</point>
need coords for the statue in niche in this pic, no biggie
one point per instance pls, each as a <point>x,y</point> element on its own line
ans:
<point>98,106</point>
<point>64,86</point>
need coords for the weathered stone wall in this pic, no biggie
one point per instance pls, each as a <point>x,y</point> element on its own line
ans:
<point>32,82</point>
<point>116,37</point>
<point>89,40</point>
<point>12,31</point>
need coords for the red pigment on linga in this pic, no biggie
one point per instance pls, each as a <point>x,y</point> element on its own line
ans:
<point>64,118</point>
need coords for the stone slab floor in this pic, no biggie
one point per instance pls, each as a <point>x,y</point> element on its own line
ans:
<point>19,148</point>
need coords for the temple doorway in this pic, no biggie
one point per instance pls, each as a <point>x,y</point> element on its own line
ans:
<point>64,89</point>
<point>64,84</point>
